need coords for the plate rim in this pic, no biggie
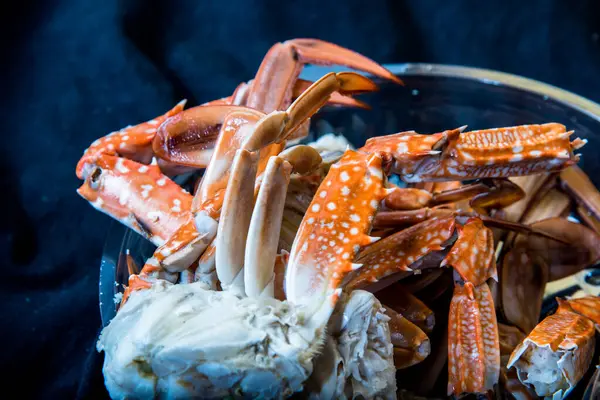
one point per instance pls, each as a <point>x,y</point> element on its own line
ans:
<point>483,75</point>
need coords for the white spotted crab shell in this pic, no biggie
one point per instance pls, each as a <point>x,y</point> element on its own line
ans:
<point>185,341</point>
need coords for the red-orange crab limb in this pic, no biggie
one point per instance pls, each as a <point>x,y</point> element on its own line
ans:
<point>484,194</point>
<point>133,142</point>
<point>137,195</point>
<point>240,96</point>
<point>274,83</point>
<point>490,153</point>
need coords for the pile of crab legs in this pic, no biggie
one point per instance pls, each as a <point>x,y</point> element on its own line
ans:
<point>489,204</point>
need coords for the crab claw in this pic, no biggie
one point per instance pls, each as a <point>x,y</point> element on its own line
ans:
<point>133,142</point>
<point>189,137</point>
<point>334,228</point>
<point>137,195</point>
<point>273,85</point>
<point>336,98</point>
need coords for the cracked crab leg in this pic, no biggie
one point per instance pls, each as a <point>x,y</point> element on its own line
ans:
<point>556,354</point>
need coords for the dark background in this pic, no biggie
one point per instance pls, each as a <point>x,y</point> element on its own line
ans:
<point>73,71</point>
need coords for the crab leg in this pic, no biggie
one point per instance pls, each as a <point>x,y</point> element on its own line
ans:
<point>188,139</point>
<point>589,219</point>
<point>498,153</point>
<point>392,219</point>
<point>133,142</point>
<point>281,261</point>
<point>399,251</point>
<point>524,279</point>
<point>311,102</point>
<point>232,232</point>
<point>411,344</point>
<point>241,129</point>
<point>553,204</point>
<point>580,246</point>
<point>473,344</point>
<point>588,307</point>
<point>530,184</point>
<point>265,226</point>
<point>409,306</point>
<point>407,199</point>
<point>472,255</point>
<point>263,234</point>
<point>579,185</point>
<point>206,271</point>
<point>482,196</point>
<point>336,98</point>
<point>237,210</point>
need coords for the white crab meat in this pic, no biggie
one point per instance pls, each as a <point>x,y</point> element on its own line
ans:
<point>556,354</point>
<point>331,143</point>
<point>174,341</point>
<point>357,360</point>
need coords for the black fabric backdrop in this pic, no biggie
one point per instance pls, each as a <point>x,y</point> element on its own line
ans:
<point>73,71</point>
